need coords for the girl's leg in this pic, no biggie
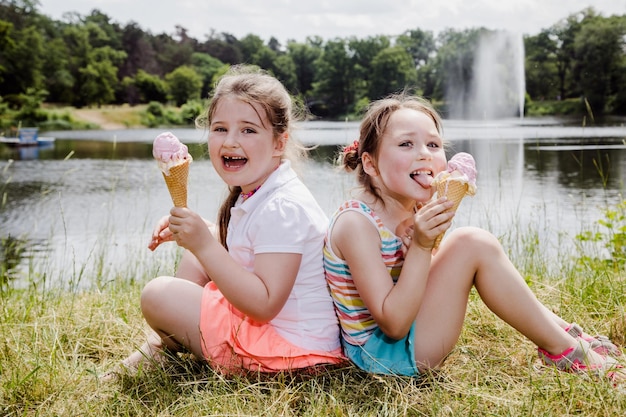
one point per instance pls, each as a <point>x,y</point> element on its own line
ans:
<point>171,306</point>
<point>474,257</point>
<point>190,269</point>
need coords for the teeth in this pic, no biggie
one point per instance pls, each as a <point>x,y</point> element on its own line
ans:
<point>426,172</point>
<point>231,160</point>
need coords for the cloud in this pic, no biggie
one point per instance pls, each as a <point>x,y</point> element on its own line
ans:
<point>296,19</point>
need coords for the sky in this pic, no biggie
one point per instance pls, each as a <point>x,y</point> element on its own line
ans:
<point>296,19</point>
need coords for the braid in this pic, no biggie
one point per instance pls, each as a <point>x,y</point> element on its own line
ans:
<point>224,213</point>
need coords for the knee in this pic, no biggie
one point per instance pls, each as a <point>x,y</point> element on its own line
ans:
<point>153,294</point>
<point>475,239</point>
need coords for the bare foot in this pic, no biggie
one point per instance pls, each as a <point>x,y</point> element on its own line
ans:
<point>149,355</point>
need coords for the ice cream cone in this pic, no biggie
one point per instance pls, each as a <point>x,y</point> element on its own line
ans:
<point>454,191</point>
<point>177,183</point>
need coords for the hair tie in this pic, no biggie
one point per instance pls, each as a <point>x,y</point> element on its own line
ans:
<point>354,146</point>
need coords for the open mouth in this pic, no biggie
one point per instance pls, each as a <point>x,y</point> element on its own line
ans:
<point>423,177</point>
<point>234,161</point>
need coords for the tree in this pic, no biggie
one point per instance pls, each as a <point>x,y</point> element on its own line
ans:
<point>274,45</point>
<point>6,44</point>
<point>140,53</point>
<point>542,81</point>
<point>98,79</point>
<point>109,33</point>
<point>363,52</point>
<point>59,81</point>
<point>422,47</point>
<point>30,113</point>
<point>94,69</point>
<point>564,34</point>
<point>285,71</point>
<point>184,84</point>
<point>598,47</point>
<point>334,92</point>
<point>303,56</point>
<point>22,60</point>
<point>170,54</point>
<point>393,70</point>
<point>207,67</point>
<point>19,12</point>
<point>419,44</point>
<point>249,46</point>
<point>150,87</point>
<point>264,58</point>
<point>76,41</point>
<point>224,47</point>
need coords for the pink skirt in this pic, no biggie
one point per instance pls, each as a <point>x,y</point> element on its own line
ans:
<point>231,341</point>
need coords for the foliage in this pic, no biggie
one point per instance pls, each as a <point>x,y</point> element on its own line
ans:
<point>568,107</point>
<point>91,60</point>
<point>334,84</point>
<point>208,67</point>
<point>149,87</point>
<point>392,71</point>
<point>156,114</point>
<point>184,84</point>
<point>598,47</point>
<point>612,238</point>
<point>304,56</point>
<point>191,110</point>
<point>30,113</point>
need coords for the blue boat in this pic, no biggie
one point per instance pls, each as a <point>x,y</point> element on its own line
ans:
<point>28,136</point>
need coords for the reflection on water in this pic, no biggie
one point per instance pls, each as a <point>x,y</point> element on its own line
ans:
<point>83,208</point>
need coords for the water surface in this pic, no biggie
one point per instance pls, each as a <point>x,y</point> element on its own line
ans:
<point>83,209</point>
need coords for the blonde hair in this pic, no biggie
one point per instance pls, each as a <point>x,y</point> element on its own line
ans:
<point>253,85</point>
<point>373,127</point>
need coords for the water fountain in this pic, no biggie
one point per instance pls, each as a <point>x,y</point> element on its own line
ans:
<point>497,86</point>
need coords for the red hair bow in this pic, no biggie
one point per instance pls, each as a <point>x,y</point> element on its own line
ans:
<point>354,146</point>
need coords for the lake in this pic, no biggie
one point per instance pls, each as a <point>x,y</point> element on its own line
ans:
<point>81,211</point>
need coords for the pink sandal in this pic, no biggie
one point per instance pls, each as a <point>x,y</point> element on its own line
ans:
<point>600,344</point>
<point>574,359</point>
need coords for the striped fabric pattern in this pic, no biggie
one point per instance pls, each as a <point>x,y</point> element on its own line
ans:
<point>357,323</point>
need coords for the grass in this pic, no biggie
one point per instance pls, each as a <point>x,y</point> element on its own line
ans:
<point>55,342</point>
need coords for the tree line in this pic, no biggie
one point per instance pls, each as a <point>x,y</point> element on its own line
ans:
<point>92,60</point>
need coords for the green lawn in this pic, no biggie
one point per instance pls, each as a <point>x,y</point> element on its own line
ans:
<point>55,342</point>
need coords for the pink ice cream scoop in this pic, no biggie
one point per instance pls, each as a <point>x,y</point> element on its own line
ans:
<point>169,151</point>
<point>173,158</point>
<point>462,165</point>
<point>456,182</point>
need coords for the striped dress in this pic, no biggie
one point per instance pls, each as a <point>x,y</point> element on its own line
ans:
<point>357,323</point>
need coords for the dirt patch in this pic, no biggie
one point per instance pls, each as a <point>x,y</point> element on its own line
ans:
<point>98,117</point>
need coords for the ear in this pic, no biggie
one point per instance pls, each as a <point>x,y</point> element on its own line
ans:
<point>281,144</point>
<point>369,165</point>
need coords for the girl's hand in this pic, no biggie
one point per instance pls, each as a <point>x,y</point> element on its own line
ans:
<point>161,233</point>
<point>189,230</point>
<point>405,232</point>
<point>430,221</point>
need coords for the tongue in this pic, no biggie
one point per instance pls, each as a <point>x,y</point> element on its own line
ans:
<point>424,180</point>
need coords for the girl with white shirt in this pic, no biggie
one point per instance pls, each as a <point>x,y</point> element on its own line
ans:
<point>250,292</point>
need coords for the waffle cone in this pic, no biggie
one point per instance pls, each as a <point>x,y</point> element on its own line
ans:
<point>454,191</point>
<point>177,183</point>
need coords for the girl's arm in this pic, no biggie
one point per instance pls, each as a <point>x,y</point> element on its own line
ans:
<point>260,294</point>
<point>393,307</point>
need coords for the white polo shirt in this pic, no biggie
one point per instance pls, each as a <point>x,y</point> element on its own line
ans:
<point>283,216</point>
